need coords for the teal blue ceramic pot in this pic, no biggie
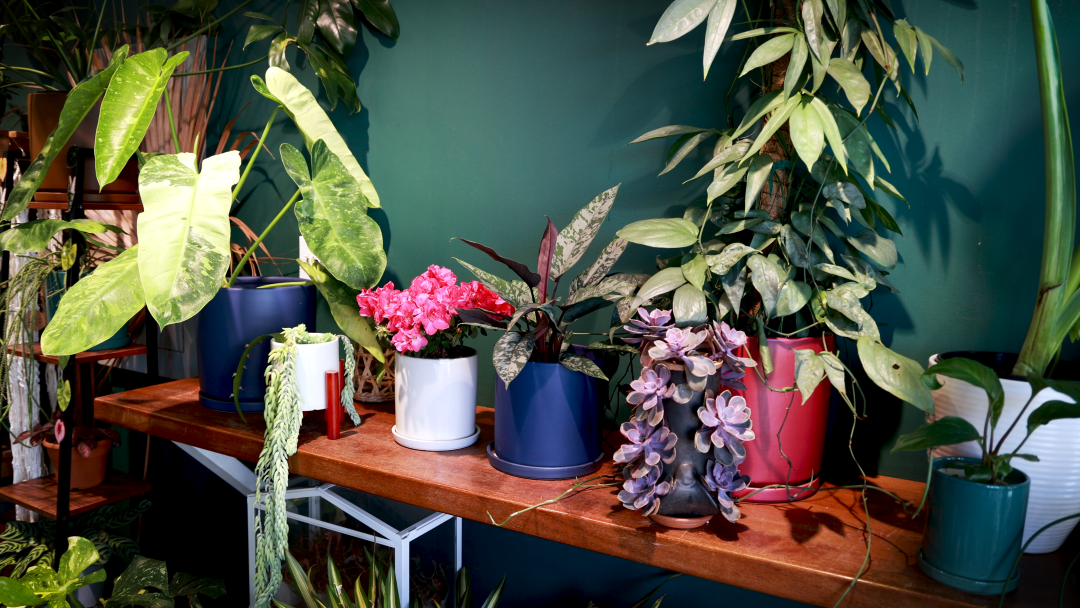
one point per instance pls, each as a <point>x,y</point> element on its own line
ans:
<point>973,530</point>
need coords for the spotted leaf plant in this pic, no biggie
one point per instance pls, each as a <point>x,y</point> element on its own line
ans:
<point>700,352</point>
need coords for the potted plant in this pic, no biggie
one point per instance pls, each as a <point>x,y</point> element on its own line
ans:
<point>969,496</point>
<point>435,379</point>
<point>687,431</point>
<point>547,405</point>
<point>788,239</point>
<point>89,461</point>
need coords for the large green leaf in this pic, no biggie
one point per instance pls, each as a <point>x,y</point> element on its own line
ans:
<point>949,430</point>
<point>96,307</point>
<point>342,301</point>
<point>972,372</point>
<point>80,555</point>
<point>78,104</point>
<point>665,281</point>
<point>34,237</point>
<point>380,14</point>
<point>851,79</point>
<point>769,52</point>
<point>895,373</point>
<point>128,108</point>
<point>689,306</point>
<point>332,219</point>
<point>875,247</point>
<point>575,239</point>
<point>314,124</point>
<point>337,25</point>
<point>679,18</point>
<point>716,28</point>
<point>184,231</point>
<point>661,232</point>
<point>768,277</point>
<point>807,133</point>
<point>14,593</point>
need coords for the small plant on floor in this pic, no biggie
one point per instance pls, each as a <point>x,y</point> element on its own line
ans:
<point>283,416</point>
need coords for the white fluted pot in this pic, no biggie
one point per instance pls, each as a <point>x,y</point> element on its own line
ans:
<point>1055,479</point>
<point>312,363</point>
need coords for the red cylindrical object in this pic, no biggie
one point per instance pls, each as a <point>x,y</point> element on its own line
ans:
<point>333,409</point>
<point>803,435</point>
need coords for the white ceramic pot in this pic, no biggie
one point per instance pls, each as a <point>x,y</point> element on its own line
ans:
<point>435,402</point>
<point>312,363</point>
<point>1055,479</point>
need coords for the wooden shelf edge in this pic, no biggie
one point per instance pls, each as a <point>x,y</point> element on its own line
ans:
<point>85,356</point>
<point>39,495</point>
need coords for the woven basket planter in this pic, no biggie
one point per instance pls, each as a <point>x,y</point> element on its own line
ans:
<point>368,390</point>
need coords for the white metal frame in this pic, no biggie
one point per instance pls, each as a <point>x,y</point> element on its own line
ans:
<point>233,472</point>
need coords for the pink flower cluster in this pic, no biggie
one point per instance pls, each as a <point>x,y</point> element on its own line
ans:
<point>426,307</point>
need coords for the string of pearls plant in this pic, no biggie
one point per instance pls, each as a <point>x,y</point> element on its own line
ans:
<point>283,417</point>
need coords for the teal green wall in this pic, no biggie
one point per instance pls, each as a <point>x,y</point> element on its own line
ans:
<point>486,116</point>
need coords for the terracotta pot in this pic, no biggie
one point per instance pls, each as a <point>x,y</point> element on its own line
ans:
<point>803,434</point>
<point>86,472</point>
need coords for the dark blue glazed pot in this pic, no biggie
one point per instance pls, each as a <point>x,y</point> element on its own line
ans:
<point>973,530</point>
<point>547,424</point>
<point>236,316</point>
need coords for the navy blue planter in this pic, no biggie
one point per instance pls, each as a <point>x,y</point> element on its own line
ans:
<point>236,316</point>
<point>547,424</point>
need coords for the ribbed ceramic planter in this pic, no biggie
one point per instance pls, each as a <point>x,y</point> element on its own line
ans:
<point>435,402</point>
<point>312,363</point>
<point>229,322</point>
<point>800,425</point>
<point>1055,479</point>
<point>973,530</point>
<point>547,424</point>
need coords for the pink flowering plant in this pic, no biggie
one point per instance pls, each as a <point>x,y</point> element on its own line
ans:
<point>423,320</point>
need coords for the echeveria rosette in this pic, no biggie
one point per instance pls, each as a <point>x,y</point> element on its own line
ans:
<point>722,343</point>
<point>643,493</point>
<point>649,392</point>
<point>725,480</point>
<point>681,345</point>
<point>650,326</point>
<point>725,425</point>
<point>649,446</point>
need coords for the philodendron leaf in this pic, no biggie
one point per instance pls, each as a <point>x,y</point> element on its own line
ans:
<point>128,108</point>
<point>768,277</point>
<point>665,233</point>
<point>314,124</point>
<point>511,353</point>
<point>598,269</point>
<point>773,49</point>
<point>949,430</point>
<point>664,281</point>
<point>834,369</point>
<point>142,573</point>
<point>895,373</point>
<point>792,297</point>
<point>1050,411</point>
<point>184,232</point>
<point>575,239</point>
<point>96,307</point>
<point>14,593</point>
<point>689,306</point>
<point>80,555</point>
<point>734,284</point>
<point>333,219</point>
<point>971,372</point>
<point>853,82</point>
<point>34,237</point>
<point>679,18</point>
<point>853,321</point>
<point>77,105</point>
<point>380,14</point>
<point>875,247</point>
<point>577,363</point>
<point>809,371</point>
<point>807,133</point>
<point>337,25</point>
<point>342,301</point>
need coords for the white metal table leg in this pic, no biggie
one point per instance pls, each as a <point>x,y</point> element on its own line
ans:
<point>401,568</point>
<point>457,545</point>
<point>251,548</point>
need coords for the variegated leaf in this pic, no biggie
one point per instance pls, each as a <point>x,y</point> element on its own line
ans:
<point>594,273</point>
<point>834,369</point>
<point>809,371</point>
<point>734,283</point>
<point>577,363</point>
<point>512,352</point>
<point>576,238</point>
<point>514,292</point>
<point>846,316</point>
<point>724,261</point>
<point>606,288</point>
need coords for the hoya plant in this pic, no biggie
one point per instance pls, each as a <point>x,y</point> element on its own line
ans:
<point>790,238</point>
<point>539,329</point>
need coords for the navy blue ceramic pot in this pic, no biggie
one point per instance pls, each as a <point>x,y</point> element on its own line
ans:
<point>547,424</point>
<point>236,316</point>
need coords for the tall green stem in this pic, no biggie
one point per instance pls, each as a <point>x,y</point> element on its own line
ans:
<point>258,241</point>
<point>1042,341</point>
<point>255,154</point>
<point>172,123</point>
<point>221,69</point>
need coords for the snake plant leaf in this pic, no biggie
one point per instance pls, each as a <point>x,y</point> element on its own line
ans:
<point>672,232</point>
<point>332,217</point>
<point>380,14</point>
<point>577,363</point>
<point>575,239</point>
<point>598,269</point>
<point>511,353</point>
<point>96,307</point>
<point>314,124</point>
<point>78,104</point>
<point>679,18</point>
<point>128,108</point>
<point>184,231</point>
<point>715,29</point>
<point>853,82</point>
<point>342,301</point>
<point>337,24</point>
<point>34,237</point>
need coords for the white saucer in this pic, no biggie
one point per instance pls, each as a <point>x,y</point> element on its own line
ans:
<point>429,445</point>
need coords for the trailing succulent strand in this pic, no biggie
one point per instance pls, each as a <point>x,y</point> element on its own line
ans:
<point>702,351</point>
<point>284,416</point>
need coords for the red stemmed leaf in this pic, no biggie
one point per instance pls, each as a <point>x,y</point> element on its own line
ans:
<point>59,430</point>
<point>531,278</point>
<point>547,253</point>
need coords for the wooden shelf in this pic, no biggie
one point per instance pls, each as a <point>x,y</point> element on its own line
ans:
<point>39,495</point>
<point>84,357</point>
<point>807,551</point>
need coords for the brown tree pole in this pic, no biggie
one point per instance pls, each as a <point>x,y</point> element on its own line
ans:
<point>774,194</point>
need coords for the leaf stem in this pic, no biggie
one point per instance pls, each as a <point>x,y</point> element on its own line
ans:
<point>255,154</point>
<point>581,485</point>
<point>172,122</point>
<point>222,69</point>
<point>258,241</point>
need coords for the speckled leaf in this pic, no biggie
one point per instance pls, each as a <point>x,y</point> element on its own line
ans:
<point>834,369</point>
<point>342,301</point>
<point>96,307</point>
<point>679,18</point>
<point>184,232</point>
<point>734,284</point>
<point>768,277</point>
<point>895,373</point>
<point>332,218</point>
<point>33,237</point>
<point>575,239</point>
<point>577,363</point>
<point>80,555</point>
<point>141,574</point>
<point>595,272</point>
<point>846,315</point>
<point>792,297</point>
<point>128,108</point>
<point>608,288</point>
<point>809,371</point>
<point>514,292</point>
<point>511,353</point>
<point>724,261</point>
<point>875,247</point>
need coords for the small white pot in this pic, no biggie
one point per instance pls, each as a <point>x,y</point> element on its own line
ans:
<point>312,363</point>
<point>1055,479</point>
<point>435,402</point>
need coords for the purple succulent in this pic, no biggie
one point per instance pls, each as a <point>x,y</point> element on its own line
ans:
<point>643,492</point>
<point>725,480</point>
<point>651,326</point>
<point>722,343</point>
<point>649,393</point>
<point>725,425</point>
<point>681,344</point>
<point>649,446</point>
